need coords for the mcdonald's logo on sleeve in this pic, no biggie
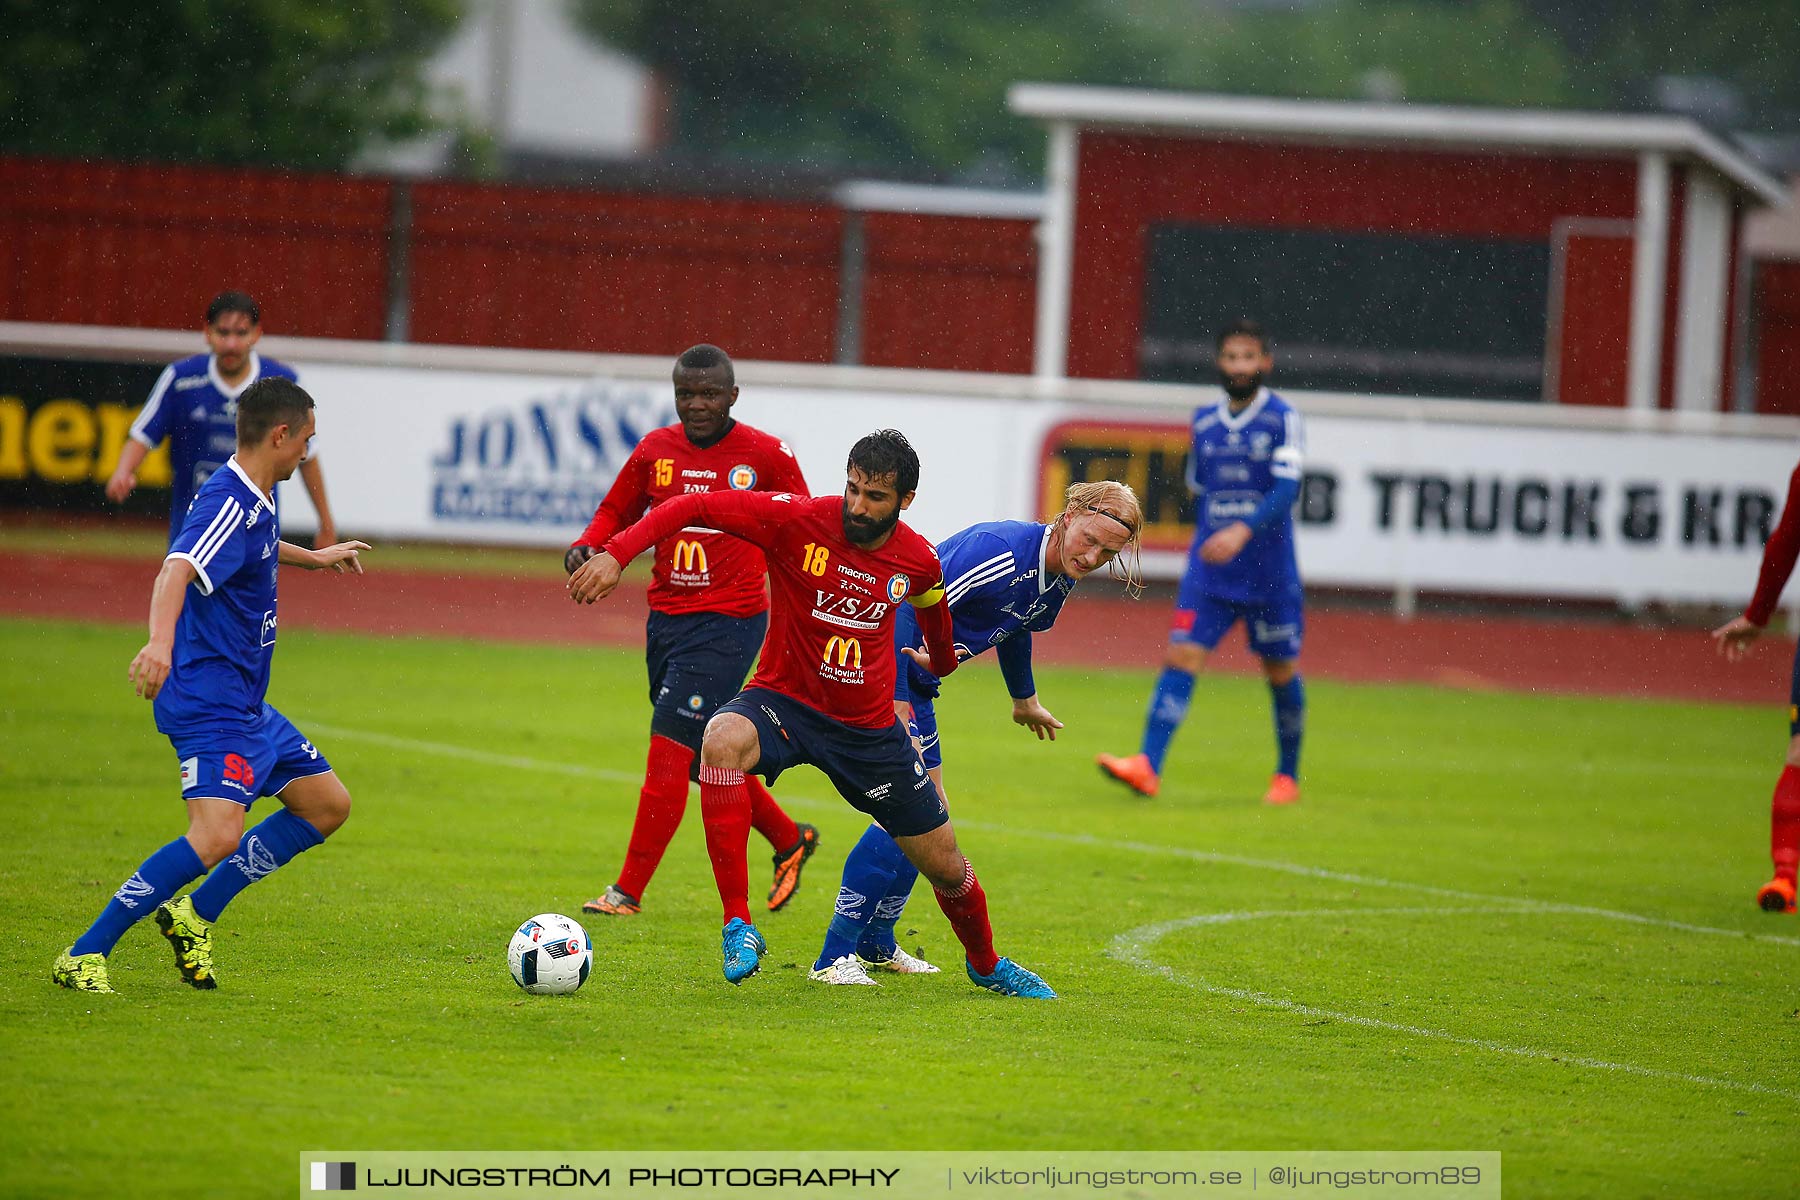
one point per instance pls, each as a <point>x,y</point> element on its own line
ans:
<point>689,557</point>
<point>846,650</point>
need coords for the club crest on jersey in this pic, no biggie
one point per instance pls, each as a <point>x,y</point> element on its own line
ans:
<point>741,477</point>
<point>696,702</point>
<point>897,587</point>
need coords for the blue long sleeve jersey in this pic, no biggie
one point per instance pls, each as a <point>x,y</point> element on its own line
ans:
<point>1246,467</point>
<point>1000,594</point>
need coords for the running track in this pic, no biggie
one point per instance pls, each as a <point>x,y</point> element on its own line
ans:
<point>1513,653</point>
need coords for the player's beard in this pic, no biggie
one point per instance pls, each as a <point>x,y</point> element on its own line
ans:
<point>1241,387</point>
<point>861,531</point>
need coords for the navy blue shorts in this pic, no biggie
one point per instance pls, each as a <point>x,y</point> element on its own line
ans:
<point>243,767</point>
<point>1274,627</point>
<point>696,662</point>
<point>876,770</point>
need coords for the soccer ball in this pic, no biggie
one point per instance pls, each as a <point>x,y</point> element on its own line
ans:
<point>550,955</point>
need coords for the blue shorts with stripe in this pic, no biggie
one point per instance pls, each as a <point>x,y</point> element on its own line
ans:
<point>877,770</point>
<point>1274,627</point>
<point>696,662</point>
<point>245,766</point>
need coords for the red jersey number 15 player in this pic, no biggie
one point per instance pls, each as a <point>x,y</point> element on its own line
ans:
<point>823,691</point>
<point>708,613</point>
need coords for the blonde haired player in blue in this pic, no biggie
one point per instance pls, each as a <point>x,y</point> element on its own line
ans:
<point>1005,581</point>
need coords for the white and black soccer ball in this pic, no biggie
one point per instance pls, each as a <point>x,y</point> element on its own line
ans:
<point>550,955</point>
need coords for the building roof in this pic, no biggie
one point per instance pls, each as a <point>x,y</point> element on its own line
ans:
<point>1332,121</point>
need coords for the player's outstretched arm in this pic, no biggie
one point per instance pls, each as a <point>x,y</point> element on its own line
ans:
<point>595,578</point>
<point>341,557</point>
<point>124,476</point>
<point>1030,713</point>
<point>150,668</point>
<point>1733,638</point>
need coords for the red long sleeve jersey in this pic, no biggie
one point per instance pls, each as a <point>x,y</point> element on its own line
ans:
<point>700,569</point>
<point>831,626</point>
<point>1778,556</point>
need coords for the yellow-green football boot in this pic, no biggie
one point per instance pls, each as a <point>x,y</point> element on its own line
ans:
<point>82,973</point>
<point>192,939</point>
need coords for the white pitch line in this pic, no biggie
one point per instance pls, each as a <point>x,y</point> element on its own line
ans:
<point>487,757</point>
<point>1288,868</point>
<point>1131,947</point>
<point>584,771</point>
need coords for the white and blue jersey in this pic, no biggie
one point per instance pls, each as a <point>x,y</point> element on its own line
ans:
<point>999,594</point>
<point>197,411</point>
<point>1246,467</point>
<point>225,637</point>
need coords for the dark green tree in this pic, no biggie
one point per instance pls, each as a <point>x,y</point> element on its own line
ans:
<point>916,84</point>
<point>302,83</point>
<point>1482,52</point>
<point>1620,46</point>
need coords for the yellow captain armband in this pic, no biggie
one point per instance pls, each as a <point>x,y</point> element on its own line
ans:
<point>927,599</point>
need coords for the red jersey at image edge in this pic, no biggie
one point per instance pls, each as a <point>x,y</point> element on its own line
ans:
<point>831,625</point>
<point>698,568</point>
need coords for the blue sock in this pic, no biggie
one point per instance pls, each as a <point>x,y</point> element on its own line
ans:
<point>271,844</point>
<point>877,943</point>
<point>1290,723</point>
<point>162,875</point>
<point>1168,707</point>
<point>869,871</point>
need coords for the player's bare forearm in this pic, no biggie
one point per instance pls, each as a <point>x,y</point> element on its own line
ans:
<point>150,667</point>
<point>342,557</point>
<point>595,579</point>
<point>124,476</point>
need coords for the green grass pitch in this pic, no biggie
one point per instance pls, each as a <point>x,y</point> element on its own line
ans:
<point>1497,922</point>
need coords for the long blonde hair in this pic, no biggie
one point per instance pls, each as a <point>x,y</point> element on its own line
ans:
<point>1116,501</point>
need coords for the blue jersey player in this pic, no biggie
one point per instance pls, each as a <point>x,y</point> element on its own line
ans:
<point>194,405</point>
<point>1005,581</point>
<point>1244,471</point>
<point>206,668</point>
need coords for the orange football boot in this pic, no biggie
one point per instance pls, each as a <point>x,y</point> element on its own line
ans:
<point>1133,772</point>
<point>1777,895</point>
<point>1283,789</point>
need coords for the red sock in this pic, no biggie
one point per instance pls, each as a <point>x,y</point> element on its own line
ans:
<point>967,909</point>
<point>660,805</point>
<point>725,809</point>
<point>767,818</point>
<point>1784,823</point>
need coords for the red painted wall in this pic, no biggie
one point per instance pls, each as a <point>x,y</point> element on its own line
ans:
<point>630,274</point>
<point>948,293</point>
<point>1125,183</point>
<point>151,246</point>
<point>1596,336</point>
<point>1777,352</point>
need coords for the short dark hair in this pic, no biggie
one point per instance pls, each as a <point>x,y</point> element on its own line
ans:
<point>887,452</point>
<point>233,302</point>
<point>1243,327</point>
<point>270,401</point>
<point>705,357</point>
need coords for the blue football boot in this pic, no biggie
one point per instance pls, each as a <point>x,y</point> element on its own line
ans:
<point>1010,979</point>
<point>744,948</point>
